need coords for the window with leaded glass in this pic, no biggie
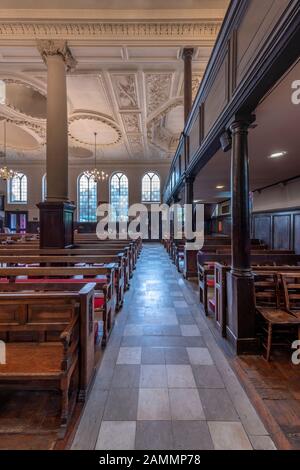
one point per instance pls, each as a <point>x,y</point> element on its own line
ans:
<point>119,197</point>
<point>17,189</point>
<point>87,198</point>
<point>151,188</point>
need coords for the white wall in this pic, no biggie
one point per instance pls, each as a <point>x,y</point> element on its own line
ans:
<point>35,172</point>
<point>278,197</point>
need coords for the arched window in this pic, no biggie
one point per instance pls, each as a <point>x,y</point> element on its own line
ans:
<point>44,187</point>
<point>151,187</point>
<point>87,198</point>
<point>119,197</point>
<point>17,189</point>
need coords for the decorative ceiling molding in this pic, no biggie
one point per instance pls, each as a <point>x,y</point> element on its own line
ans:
<point>92,116</point>
<point>125,88</point>
<point>175,30</point>
<point>158,87</point>
<point>131,122</point>
<point>50,47</point>
<point>157,134</point>
<point>30,86</point>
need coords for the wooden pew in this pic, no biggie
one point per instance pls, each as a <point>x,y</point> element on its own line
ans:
<point>105,298</point>
<point>72,259</point>
<point>41,331</point>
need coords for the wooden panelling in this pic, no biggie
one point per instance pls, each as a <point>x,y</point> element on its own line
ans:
<point>216,99</point>
<point>296,237</point>
<point>258,21</point>
<point>263,226</point>
<point>281,232</point>
<point>194,137</point>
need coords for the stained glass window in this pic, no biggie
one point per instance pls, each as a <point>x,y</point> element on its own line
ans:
<point>151,188</point>
<point>119,197</point>
<point>17,189</point>
<point>87,199</point>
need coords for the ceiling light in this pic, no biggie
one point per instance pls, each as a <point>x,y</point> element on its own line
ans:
<point>220,186</point>
<point>277,154</point>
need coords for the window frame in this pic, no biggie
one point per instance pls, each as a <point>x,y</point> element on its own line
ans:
<point>20,177</point>
<point>151,190</point>
<point>114,217</point>
<point>80,203</point>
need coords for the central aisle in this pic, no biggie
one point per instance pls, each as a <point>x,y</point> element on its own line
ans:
<point>163,382</point>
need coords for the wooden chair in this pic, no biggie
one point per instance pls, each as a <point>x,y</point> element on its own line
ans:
<point>278,325</point>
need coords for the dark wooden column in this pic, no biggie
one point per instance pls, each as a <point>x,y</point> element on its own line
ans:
<point>189,189</point>
<point>241,309</point>
<point>187,55</point>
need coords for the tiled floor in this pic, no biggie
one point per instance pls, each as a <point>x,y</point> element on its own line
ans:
<point>163,382</point>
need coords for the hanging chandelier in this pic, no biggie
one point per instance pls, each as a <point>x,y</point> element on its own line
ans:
<point>96,174</point>
<point>5,172</point>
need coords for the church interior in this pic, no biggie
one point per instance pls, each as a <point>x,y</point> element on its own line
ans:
<point>147,341</point>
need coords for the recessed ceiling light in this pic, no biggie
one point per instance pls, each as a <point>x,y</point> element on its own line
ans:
<point>277,154</point>
<point>220,186</point>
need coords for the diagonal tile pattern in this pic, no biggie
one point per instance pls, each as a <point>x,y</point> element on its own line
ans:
<point>163,382</point>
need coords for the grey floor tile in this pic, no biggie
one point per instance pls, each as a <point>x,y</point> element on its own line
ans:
<point>217,405</point>
<point>152,355</point>
<point>126,376</point>
<point>186,319</point>
<point>180,376</point>
<point>207,377</point>
<point>116,435</point>
<point>262,443</point>
<point>176,355</point>
<point>200,356</point>
<point>129,355</point>
<point>229,436</point>
<point>191,435</point>
<point>121,405</point>
<point>190,330</point>
<point>185,404</point>
<point>132,341</point>
<point>153,404</point>
<point>152,435</point>
<point>153,376</point>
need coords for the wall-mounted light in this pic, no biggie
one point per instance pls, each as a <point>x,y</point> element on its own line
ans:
<point>277,154</point>
<point>220,186</point>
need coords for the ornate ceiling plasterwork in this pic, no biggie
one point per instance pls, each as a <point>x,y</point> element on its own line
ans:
<point>131,122</point>
<point>125,86</point>
<point>158,135</point>
<point>158,87</point>
<point>114,31</point>
<point>108,130</point>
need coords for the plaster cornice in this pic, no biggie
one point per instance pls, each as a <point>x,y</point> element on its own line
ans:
<point>113,31</point>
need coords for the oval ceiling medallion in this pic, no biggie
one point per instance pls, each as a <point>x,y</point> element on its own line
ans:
<point>82,127</point>
<point>17,137</point>
<point>25,99</point>
<point>80,152</point>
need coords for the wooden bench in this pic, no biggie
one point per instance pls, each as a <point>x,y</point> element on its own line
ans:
<point>71,258</point>
<point>41,331</point>
<point>105,296</point>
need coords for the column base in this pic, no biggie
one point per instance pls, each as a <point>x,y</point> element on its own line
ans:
<point>240,327</point>
<point>56,224</point>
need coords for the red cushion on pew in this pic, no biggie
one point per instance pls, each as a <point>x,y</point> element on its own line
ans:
<point>210,282</point>
<point>100,280</point>
<point>98,302</point>
<point>3,280</point>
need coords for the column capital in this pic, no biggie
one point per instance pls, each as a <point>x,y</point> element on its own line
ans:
<point>187,52</point>
<point>241,123</point>
<point>51,47</point>
<point>189,179</point>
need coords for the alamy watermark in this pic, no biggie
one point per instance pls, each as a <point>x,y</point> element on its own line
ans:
<point>296,92</point>
<point>154,222</point>
<point>2,352</point>
<point>296,354</point>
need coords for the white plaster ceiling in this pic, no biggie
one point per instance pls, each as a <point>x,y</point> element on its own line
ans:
<point>127,87</point>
